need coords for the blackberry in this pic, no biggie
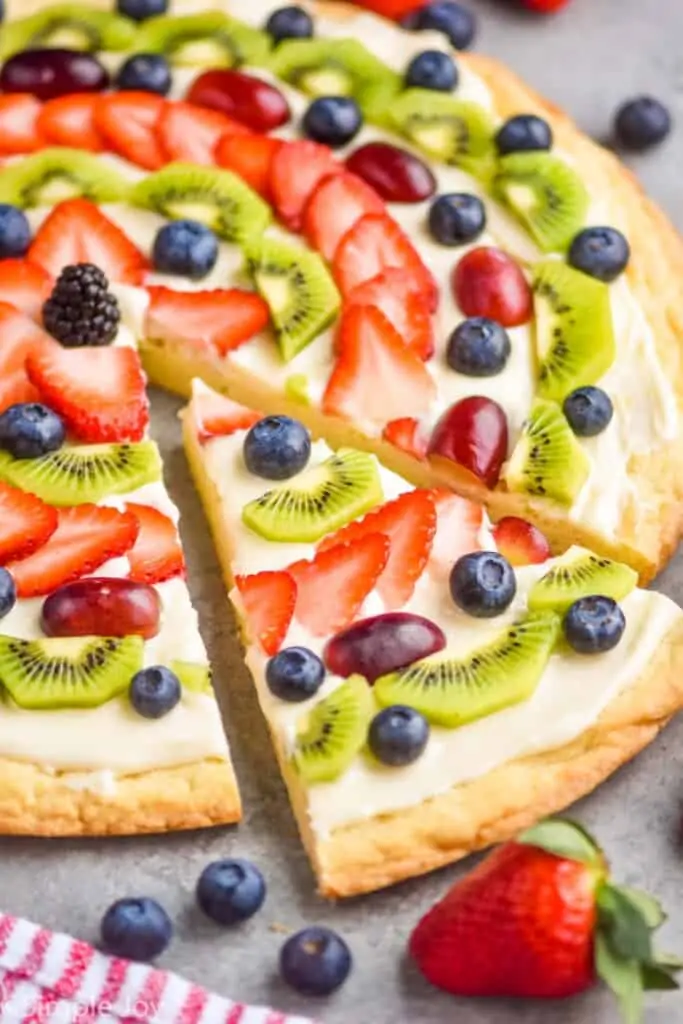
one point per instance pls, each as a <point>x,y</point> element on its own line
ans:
<point>81,310</point>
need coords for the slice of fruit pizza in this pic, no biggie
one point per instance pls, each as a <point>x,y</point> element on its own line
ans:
<point>432,683</point>
<point>408,250</point>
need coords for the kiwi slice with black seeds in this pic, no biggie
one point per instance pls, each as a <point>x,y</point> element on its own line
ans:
<point>56,174</point>
<point>547,460</point>
<point>217,198</point>
<point>76,475</point>
<point>70,27</point>
<point>193,677</point>
<point>546,194</point>
<point>334,732</point>
<point>318,501</point>
<point>574,331</point>
<point>210,39</point>
<point>73,672</point>
<point>451,691</point>
<point>457,132</point>
<point>302,297</point>
<point>577,574</point>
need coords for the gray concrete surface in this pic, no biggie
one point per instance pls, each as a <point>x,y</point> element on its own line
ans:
<point>587,59</point>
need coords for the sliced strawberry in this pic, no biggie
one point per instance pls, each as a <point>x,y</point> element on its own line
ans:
<point>374,244</point>
<point>332,587</point>
<point>128,120</point>
<point>409,523</point>
<point>99,392</point>
<point>222,319</point>
<point>249,156</point>
<point>520,542</point>
<point>458,524</point>
<point>297,169</point>
<point>24,285</point>
<point>334,207</point>
<point>215,415</point>
<point>156,555</point>
<point>70,121</point>
<point>188,132</point>
<point>406,433</point>
<point>19,336</point>
<point>268,599</point>
<point>26,523</point>
<point>15,389</point>
<point>18,124</point>
<point>76,231</point>
<point>394,293</point>
<point>86,537</point>
<point>375,376</point>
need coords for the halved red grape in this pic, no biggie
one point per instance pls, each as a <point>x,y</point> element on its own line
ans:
<point>102,606</point>
<point>487,282</point>
<point>473,433</point>
<point>50,73</point>
<point>395,174</point>
<point>257,104</point>
<point>373,647</point>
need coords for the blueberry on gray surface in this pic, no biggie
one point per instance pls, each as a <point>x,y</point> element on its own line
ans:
<point>230,891</point>
<point>145,72</point>
<point>398,735</point>
<point>332,120</point>
<point>8,593</point>
<point>478,347</point>
<point>295,674</point>
<point>457,23</point>
<point>277,448</point>
<point>588,410</point>
<point>185,248</point>
<point>31,429</point>
<point>140,10</point>
<point>289,22</point>
<point>15,232</point>
<point>315,961</point>
<point>457,218</point>
<point>432,69</point>
<point>154,691</point>
<point>483,584</point>
<point>136,928</point>
<point>601,252</point>
<point>593,625</point>
<point>81,310</point>
<point>523,133</point>
<point>641,123</point>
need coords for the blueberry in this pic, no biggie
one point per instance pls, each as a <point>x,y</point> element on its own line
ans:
<point>457,218</point>
<point>455,21</point>
<point>8,593</point>
<point>523,133</point>
<point>483,584</point>
<point>137,929</point>
<point>295,674</point>
<point>333,120</point>
<point>154,691</point>
<point>594,624</point>
<point>432,69</point>
<point>289,23</point>
<point>15,232</point>
<point>641,123</point>
<point>601,252</point>
<point>139,10</point>
<point>398,735</point>
<point>29,430</point>
<point>315,961</point>
<point>588,410</point>
<point>277,448</point>
<point>185,247</point>
<point>478,347</point>
<point>2,10</point>
<point>148,72</point>
<point>230,891</point>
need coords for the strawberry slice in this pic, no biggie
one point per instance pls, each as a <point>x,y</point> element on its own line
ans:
<point>394,293</point>
<point>374,244</point>
<point>19,336</point>
<point>458,524</point>
<point>86,537</point>
<point>372,353</point>
<point>220,320</point>
<point>15,389</point>
<point>26,523</point>
<point>24,285</point>
<point>268,599</point>
<point>191,133</point>
<point>334,207</point>
<point>215,415</point>
<point>70,121</point>
<point>156,555</point>
<point>18,124</point>
<point>99,392</point>
<point>332,587</point>
<point>409,524</point>
<point>297,169</point>
<point>76,231</point>
<point>406,433</point>
<point>128,120</point>
<point>249,156</point>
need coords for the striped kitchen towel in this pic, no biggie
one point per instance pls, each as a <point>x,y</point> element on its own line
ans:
<point>48,978</point>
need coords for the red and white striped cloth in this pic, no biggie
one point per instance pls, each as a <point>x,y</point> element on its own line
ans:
<point>48,978</point>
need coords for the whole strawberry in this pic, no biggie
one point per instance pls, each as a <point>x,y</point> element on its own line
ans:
<point>541,918</point>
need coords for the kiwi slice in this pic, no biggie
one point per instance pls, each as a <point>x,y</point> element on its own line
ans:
<point>302,297</point>
<point>331,735</point>
<point>70,27</point>
<point>574,332</point>
<point>451,691</point>
<point>318,501</point>
<point>547,460</point>
<point>458,132</point>
<point>546,194</point>
<point>48,177</point>
<point>73,476</point>
<point>577,574</point>
<point>211,40</point>
<point>193,677</point>
<point>217,198</point>
<point>76,672</point>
